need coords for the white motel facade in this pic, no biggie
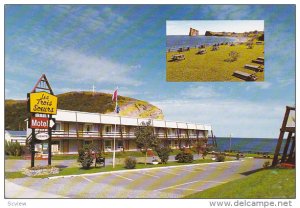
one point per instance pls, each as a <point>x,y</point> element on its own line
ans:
<point>73,129</point>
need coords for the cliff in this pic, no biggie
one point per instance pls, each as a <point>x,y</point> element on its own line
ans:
<point>193,32</point>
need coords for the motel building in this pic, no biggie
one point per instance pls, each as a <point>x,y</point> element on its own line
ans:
<point>73,129</point>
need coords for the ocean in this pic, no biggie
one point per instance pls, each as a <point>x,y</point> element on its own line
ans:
<point>177,41</point>
<point>247,144</point>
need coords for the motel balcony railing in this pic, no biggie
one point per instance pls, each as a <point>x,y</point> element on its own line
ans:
<point>127,135</point>
<point>172,136</point>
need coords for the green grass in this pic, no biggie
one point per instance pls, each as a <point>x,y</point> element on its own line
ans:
<point>249,155</point>
<point>270,183</point>
<point>110,155</point>
<point>12,175</point>
<point>10,157</point>
<point>211,66</point>
<point>64,157</point>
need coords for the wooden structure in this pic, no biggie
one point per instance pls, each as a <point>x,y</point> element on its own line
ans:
<point>254,67</point>
<point>258,61</point>
<point>201,51</point>
<point>245,76</point>
<point>289,150</point>
<point>178,57</point>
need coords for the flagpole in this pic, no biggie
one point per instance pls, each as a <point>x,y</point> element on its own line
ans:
<point>114,149</point>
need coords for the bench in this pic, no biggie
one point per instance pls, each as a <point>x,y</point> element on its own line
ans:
<point>254,67</point>
<point>258,61</point>
<point>183,49</point>
<point>100,160</point>
<point>201,51</point>
<point>178,57</point>
<point>261,58</point>
<point>245,76</point>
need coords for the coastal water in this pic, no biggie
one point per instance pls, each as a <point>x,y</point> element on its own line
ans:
<point>247,144</point>
<point>178,41</point>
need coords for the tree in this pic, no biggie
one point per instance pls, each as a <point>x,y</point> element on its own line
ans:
<point>202,147</point>
<point>87,154</point>
<point>145,138</point>
<point>163,153</point>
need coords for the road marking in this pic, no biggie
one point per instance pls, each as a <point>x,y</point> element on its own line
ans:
<point>187,189</point>
<point>122,177</point>
<point>214,182</point>
<point>172,187</point>
<point>150,175</point>
<point>87,179</point>
<point>193,171</point>
<point>169,172</point>
<point>177,185</point>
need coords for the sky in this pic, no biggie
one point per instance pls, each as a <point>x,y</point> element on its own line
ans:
<point>78,46</point>
<point>182,27</point>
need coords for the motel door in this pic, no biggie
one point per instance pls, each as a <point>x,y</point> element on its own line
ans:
<point>65,145</point>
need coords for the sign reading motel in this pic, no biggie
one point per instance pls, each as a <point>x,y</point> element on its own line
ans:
<point>43,102</point>
<point>39,123</point>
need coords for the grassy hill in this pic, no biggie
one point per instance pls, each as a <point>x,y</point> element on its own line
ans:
<point>16,110</point>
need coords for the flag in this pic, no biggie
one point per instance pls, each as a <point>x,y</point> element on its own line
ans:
<point>117,109</point>
<point>115,95</point>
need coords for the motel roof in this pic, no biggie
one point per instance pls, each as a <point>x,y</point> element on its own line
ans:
<point>86,117</point>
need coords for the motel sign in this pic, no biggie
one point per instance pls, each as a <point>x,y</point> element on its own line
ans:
<point>41,106</point>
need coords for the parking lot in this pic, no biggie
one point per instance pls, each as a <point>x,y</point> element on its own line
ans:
<point>171,182</point>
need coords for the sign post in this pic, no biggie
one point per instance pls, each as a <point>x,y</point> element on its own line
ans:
<point>41,105</point>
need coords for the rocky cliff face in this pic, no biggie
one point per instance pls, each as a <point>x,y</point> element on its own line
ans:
<point>193,32</point>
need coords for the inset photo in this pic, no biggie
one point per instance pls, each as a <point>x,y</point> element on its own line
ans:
<point>215,50</point>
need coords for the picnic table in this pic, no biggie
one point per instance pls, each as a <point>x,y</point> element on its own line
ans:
<point>178,57</point>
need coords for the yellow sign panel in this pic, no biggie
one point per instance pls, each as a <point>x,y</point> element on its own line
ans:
<point>43,102</point>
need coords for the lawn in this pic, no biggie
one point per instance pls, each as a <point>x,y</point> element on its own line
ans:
<point>269,183</point>
<point>211,66</point>
<point>110,155</point>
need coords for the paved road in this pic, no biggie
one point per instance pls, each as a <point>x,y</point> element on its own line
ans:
<point>173,182</point>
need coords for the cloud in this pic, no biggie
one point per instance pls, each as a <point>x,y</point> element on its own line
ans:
<point>199,92</point>
<point>91,19</point>
<point>242,118</point>
<point>286,81</point>
<point>259,85</point>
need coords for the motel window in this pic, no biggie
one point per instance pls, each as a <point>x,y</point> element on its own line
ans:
<point>119,144</point>
<point>88,127</point>
<point>87,142</point>
<point>171,132</point>
<point>107,144</point>
<point>107,129</point>
<point>58,126</point>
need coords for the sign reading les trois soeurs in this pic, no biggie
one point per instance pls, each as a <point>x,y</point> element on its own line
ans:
<point>43,102</point>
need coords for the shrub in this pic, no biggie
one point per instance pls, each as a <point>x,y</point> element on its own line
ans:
<point>233,56</point>
<point>184,157</point>
<point>85,157</point>
<point>266,164</point>
<point>13,148</point>
<point>130,162</point>
<point>163,153</point>
<point>220,157</point>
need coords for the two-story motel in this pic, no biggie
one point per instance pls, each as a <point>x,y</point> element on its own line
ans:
<point>73,129</point>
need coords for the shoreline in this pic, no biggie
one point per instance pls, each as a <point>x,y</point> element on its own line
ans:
<point>238,40</point>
